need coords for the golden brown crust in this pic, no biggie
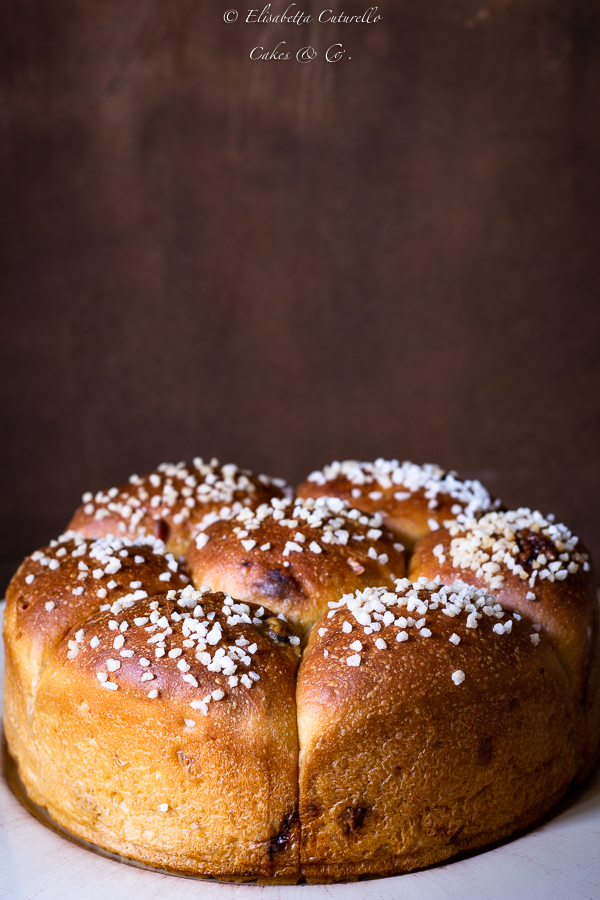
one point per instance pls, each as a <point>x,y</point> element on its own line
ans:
<point>172,501</point>
<point>400,766</point>
<point>295,564</point>
<point>565,609</point>
<point>145,769</point>
<point>61,584</point>
<point>411,499</point>
<point>58,587</point>
<point>161,721</point>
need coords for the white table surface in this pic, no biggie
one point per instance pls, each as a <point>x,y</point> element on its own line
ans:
<point>560,860</point>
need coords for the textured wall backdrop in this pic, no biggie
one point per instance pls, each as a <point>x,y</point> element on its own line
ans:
<point>281,264</point>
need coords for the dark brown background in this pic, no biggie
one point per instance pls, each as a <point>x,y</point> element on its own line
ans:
<point>281,264</point>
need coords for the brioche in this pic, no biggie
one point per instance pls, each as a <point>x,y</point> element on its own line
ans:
<point>296,556</point>
<point>411,499</point>
<point>182,757</point>
<point>213,677</point>
<point>56,589</point>
<point>171,502</point>
<point>429,722</point>
<point>537,568</point>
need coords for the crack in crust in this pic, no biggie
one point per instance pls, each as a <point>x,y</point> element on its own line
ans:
<point>283,837</point>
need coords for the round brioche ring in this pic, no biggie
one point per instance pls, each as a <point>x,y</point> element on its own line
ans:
<point>403,740</point>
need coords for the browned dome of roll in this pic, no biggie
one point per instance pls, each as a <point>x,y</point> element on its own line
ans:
<point>166,732</point>
<point>172,501</point>
<point>412,499</point>
<point>60,586</point>
<point>424,734</point>
<point>537,568</point>
<point>296,556</point>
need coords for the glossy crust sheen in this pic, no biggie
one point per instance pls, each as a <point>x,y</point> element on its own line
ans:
<point>42,608</point>
<point>298,582</point>
<point>149,776</point>
<point>565,611</point>
<point>171,502</point>
<point>400,767</point>
<point>166,720</point>
<point>408,497</point>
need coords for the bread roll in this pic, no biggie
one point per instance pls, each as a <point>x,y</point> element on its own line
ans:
<point>539,569</point>
<point>171,502</point>
<point>166,731</point>
<point>411,499</point>
<point>430,721</point>
<point>58,587</point>
<point>296,556</point>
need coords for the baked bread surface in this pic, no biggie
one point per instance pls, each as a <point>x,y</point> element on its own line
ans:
<point>182,757</point>
<point>537,568</point>
<point>153,703</point>
<point>172,501</point>
<point>57,588</point>
<point>433,734</point>
<point>296,556</point>
<point>411,499</point>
